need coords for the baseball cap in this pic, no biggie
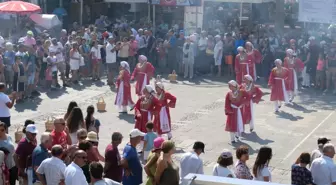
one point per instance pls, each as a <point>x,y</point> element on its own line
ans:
<point>30,33</point>
<point>199,145</point>
<point>322,140</point>
<point>226,153</point>
<point>31,129</point>
<point>158,142</point>
<point>136,133</point>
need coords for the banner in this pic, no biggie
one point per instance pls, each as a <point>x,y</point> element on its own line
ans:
<point>317,11</point>
<point>176,2</point>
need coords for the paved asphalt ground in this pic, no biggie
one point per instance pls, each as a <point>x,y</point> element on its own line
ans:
<point>199,115</point>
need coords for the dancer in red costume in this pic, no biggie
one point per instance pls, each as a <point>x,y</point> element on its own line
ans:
<point>167,100</point>
<point>293,46</point>
<point>278,84</point>
<point>143,72</point>
<point>124,97</point>
<point>146,108</point>
<point>294,65</point>
<point>234,102</point>
<point>255,95</point>
<point>241,66</point>
<point>253,58</point>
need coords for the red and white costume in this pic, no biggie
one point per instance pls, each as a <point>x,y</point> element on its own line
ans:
<point>124,97</point>
<point>163,121</point>
<point>146,108</point>
<point>278,83</point>
<point>255,95</point>
<point>294,65</point>
<point>253,57</point>
<point>245,62</point>
<point>143,72</point>
<point>234,103</point>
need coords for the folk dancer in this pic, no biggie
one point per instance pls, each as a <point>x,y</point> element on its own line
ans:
<point>124,97</point>
<point>143,72</point>
<point>234,102</point>
<point>255,95</point>
<point>294,65</point>
<point>146,108</point>
<point>278,84</point>
<point>253,57</point>
<point>241,66</point>
<point>167,100</point>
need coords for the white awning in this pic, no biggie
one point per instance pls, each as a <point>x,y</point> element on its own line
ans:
<point>241,1</point>
<point>126,1</point>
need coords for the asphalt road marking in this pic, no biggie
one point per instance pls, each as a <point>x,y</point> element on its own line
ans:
<point>303,140</point>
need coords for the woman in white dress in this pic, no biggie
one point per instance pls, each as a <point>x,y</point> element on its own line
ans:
<point>224,161</point>
<point>75,58</point>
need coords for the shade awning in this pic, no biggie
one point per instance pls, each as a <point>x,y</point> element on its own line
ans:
<point>241,1</point>
<point>125,1</point>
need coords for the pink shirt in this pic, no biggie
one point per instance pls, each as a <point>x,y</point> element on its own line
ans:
<point>133,48</point>
<point>29,41</point>
<point>320,65</point>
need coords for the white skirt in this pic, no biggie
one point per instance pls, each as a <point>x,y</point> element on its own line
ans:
<point>74,64</point>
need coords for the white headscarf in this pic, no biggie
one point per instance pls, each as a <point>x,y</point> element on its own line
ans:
<point>248,77</point>
<point>143,58</point>
<point>233,83</point>
<point>125,65</point>
<point>149,89</point>
<point>290,52</point>
<point>240,48</point>
<point>249,44</point>
<point>278,61</point>
<point>160,85</point>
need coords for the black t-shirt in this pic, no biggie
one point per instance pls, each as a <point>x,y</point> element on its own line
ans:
<point>314,51</point>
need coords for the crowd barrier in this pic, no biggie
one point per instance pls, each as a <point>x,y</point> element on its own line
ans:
<point>196,179</point>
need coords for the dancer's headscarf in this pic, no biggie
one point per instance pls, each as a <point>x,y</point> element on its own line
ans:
<point>149,89</point>
<point>125,65</point>
<point>249,44</point>
<point>233,83</point>
<point>290,52</point>
<point>248,77</point>
<point>143,58</point>
<point>160,85</point>
<point>278,61</point>
<point>240,48</point>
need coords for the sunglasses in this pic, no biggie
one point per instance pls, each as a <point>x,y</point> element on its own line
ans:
<point>61,123</point>
<point>82,137</point>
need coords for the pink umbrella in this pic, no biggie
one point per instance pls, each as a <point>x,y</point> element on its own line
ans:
<point>19,7</point>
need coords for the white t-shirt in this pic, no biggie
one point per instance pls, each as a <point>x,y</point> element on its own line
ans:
<point>218,47</point>
<point>58,48</point>
<point>106,181</point>
<point>4,110</point>
<point>220,171</point>
<point>265,172</point>
<point>53,61</point>
<point>96,52</point>
<point>111,57</point>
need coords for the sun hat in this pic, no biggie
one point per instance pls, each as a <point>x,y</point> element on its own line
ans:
<point>31,128</point>
<point>92,136</point>
<point>226,153</point>
<point>136,133</point>
<point>158,142</point>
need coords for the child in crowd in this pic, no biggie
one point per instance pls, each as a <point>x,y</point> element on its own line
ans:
<point>224,161</point>
<point>52,62</point>
<point>320,71</point>
<point>149,139</point>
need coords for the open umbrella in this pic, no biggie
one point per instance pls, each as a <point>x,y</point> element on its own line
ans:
<point>19,7</point>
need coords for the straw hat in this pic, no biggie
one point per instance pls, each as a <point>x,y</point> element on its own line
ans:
<point>92,136</point>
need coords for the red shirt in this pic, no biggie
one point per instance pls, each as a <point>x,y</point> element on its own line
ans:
<point>59,138</point>
<point>114,170</point>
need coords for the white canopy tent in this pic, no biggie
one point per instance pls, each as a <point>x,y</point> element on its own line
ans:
<point>46,21</point>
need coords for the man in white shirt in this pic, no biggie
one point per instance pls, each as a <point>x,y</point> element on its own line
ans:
<point>111,59</point>
<point>323,169</point>
<point>58,48</point>
<point>51,170</point>
<point>6,103</point>
<point>218,53</point>
<point>73,173</point>
<point>190,162</point>
<point>96,172</point>
<point>142,43</point>
<point>318,152</point>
